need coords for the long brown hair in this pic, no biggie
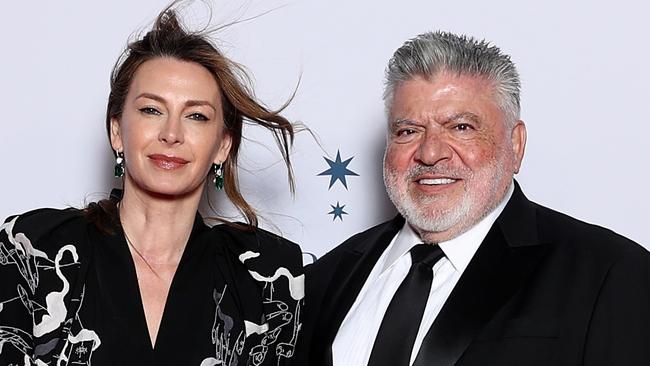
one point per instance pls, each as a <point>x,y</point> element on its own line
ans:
<point>169,38</point>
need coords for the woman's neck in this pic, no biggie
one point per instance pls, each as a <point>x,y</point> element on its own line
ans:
<point>158,227</point>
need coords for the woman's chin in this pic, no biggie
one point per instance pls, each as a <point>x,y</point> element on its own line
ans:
<point>171,190</point>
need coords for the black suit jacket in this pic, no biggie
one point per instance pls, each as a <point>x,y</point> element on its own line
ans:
<point>542,289</point>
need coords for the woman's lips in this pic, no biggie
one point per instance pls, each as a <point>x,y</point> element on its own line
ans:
<point>167,162</point>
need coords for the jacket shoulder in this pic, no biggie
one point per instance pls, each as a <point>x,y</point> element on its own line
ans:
<point>578,235</point>
<point>359,241</point>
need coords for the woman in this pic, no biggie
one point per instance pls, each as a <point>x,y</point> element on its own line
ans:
<point>139,279</point>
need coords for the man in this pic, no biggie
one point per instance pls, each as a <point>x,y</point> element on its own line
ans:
<point>507,281</point>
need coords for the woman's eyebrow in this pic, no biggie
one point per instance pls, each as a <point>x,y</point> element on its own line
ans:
<point>189,103</point>
<point>192,103</point>
<point>151,96</point>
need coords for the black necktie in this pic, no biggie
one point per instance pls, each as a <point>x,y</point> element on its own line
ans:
<point>401,322</point>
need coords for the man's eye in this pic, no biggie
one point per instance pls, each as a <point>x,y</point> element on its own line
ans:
<point>404,135</point>
<point>150,110</point>
<point>197,117</point>
<point>463,127</point>
<point>405,132</point>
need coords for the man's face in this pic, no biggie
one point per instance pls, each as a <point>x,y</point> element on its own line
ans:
<point>450,155</point>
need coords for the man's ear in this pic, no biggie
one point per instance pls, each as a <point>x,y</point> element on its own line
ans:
<point>116,135</point>
<point>224,149</point>
<point>518,138</point>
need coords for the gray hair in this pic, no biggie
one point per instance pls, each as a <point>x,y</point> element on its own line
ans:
<point>434,52</point>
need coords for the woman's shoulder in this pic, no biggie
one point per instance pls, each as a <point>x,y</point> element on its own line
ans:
<point>259,245</point>
<point>254,237</point>
<point>47,215</point>
<point>38,225</point>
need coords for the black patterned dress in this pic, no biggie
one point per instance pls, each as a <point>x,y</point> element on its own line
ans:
<point>69,296</point>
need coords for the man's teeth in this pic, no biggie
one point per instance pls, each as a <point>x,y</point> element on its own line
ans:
<point>436,181</point>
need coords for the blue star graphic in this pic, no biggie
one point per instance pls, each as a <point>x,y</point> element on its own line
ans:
<point>337,211</point>
<point>338,170</point>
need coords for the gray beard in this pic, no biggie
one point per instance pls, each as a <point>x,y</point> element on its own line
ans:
<point>427,219</point>
<point>420,218</point>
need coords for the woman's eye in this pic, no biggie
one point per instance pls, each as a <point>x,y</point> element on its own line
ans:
<point>197,117</point>
<point>150,110</point>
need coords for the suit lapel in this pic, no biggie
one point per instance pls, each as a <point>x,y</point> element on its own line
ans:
<point>350,275</point>
<point>508,255</point>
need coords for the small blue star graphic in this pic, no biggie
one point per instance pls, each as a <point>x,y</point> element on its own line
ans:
<point>337,211</point>
<point>338,170</point>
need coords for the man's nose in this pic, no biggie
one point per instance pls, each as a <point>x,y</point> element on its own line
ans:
<point>433,149</point>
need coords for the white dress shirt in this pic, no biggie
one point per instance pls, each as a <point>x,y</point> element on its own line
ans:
<point>356,336</point>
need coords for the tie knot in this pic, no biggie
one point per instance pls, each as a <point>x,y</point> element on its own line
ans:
<point>427,254</point>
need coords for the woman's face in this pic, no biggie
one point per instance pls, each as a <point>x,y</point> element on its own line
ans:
<point>171,129</point>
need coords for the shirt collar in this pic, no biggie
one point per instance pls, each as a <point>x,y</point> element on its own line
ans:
<point>459,250</point>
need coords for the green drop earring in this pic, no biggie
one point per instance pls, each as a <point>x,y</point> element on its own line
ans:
<point>218,176</point>
<point>119,165</point>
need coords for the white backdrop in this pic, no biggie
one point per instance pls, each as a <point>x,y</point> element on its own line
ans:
<point>582,64</point>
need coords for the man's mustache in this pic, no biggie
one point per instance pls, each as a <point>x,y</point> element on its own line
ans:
<point>446,171</point>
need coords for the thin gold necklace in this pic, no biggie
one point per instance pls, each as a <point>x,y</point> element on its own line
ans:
<point>130,243</point>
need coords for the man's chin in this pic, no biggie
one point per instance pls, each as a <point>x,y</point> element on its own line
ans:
<point>437,222</point>
<point>431,223</point>
<point>437,205</point>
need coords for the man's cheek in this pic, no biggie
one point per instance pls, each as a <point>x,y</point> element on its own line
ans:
<point>397,157</point>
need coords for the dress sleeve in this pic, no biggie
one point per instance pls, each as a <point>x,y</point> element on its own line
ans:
<point>271,292</point>
<point>19,274</point>
<point>37,272</point>
<point>281,273</point>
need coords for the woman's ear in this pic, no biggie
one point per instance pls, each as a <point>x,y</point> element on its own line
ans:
<point>116,135</point>
<point>224,149</point>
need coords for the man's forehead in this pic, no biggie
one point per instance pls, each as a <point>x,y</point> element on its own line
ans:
<point>450,82</point>
<point>443,97</point>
